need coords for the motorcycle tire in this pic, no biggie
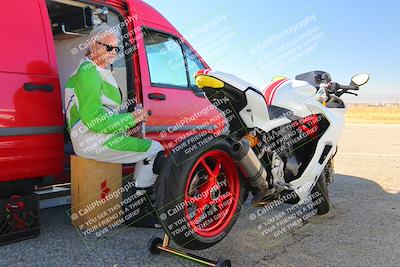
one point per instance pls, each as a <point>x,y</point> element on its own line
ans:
<point>320,195</point>
<point>199,193</point>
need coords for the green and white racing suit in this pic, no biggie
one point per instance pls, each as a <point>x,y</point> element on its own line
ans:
<point>97,127</point>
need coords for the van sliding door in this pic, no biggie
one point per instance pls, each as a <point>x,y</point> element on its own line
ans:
<point>31,120</point>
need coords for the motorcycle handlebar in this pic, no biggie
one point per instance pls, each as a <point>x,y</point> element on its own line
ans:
<point>348,87</point>
<point>338,89</point>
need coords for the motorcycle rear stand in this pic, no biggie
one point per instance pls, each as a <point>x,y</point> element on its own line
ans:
<point>156,245</point>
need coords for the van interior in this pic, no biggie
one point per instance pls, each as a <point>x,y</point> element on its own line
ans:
<point>71,23</point>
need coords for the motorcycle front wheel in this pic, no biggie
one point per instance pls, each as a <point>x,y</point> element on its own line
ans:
<point>199,193</point>
<point>320,194</point>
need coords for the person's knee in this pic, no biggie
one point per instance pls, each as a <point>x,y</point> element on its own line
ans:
<point>157,146</point>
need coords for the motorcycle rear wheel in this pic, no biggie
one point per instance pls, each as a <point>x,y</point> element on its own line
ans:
<point>199,194</point>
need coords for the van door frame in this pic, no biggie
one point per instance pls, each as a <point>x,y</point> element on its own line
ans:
<point>180,42</point>
<point>200,94</point>
<point>131,62</point>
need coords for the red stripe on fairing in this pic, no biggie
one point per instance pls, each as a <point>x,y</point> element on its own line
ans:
<point>204,71</point>
<point>271,90</point>
<point>267,90</point>
<point>274,91</point>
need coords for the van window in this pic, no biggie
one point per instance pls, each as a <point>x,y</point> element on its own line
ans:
<point>165,60</point>
<point>193,65</point>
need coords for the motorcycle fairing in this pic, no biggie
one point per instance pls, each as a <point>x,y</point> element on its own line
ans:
<point>296,96</point>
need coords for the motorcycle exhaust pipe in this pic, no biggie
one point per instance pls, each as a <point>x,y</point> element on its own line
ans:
<point>250,165</point>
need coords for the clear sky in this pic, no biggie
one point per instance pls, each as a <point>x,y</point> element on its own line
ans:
<point>257,40</point>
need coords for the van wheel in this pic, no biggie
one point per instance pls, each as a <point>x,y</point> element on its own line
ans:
<point>199,194</point>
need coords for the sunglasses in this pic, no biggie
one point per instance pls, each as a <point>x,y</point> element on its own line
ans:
<point>110,48</point>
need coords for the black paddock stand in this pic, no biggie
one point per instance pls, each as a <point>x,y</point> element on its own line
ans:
<point>156,245</point>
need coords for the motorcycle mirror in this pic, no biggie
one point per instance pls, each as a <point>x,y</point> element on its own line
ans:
<point>360,79</point>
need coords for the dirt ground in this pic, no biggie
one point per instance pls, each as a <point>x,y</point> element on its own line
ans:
<point>362,229</point>
<point>376,115</point>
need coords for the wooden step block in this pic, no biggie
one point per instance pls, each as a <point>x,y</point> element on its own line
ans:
<point>95,200</point>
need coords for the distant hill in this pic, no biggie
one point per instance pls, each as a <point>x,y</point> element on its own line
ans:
<point>374,114</point>
<point>374,99</point>
<point>373,105</point>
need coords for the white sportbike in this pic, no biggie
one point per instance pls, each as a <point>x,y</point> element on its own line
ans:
<point>277,143</point>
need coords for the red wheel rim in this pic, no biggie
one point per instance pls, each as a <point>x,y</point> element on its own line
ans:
<point>212,193</point>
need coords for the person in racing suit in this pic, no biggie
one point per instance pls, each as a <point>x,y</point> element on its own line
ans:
<point>97,127</point>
